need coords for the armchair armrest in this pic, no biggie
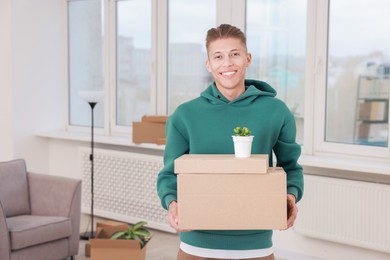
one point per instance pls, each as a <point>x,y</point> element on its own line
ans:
<point>4,236</point>
<point>57,196</point>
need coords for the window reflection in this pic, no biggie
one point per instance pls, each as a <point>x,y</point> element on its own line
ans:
<point>358,79</point>
<point>85,60</point>
<point>276,36</point>
<point>189,22</point>
<point>133,86</point>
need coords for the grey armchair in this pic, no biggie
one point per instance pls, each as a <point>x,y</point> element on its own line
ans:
<point>39,214</point>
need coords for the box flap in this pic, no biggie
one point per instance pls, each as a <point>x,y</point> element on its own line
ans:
<point>154,119</point>
<point>221,163</point>
<point>107,232</point>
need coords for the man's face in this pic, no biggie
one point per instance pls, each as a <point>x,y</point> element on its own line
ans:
<point>227,61</point>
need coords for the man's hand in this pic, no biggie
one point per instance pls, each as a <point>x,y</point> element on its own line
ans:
<point>292,210</point>
<point>172,217</point>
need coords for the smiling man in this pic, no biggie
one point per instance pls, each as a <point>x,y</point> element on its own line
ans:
<point>204,126</point>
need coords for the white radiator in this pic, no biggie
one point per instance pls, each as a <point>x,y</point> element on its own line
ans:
<point>124,187</point>
<point>350,212</point>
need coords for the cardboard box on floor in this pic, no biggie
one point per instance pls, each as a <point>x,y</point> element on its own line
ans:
<point>227,200</point>
<point>105,224</point>
<point>102,248</point>
<point>151,129</point>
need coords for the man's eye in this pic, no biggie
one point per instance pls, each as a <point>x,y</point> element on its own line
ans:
<point>235,54</point>
<point>217,57</point>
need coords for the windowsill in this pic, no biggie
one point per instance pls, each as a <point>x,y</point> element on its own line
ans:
<point>328,166</point>
<point>98,139</point>
<point>347,168</point>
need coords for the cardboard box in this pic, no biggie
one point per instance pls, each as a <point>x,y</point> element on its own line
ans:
<point>88,249</point>
<point>155,119</point>
<point>221,163</point>
<point>103,248</point>
<point>108,224</point>
<point>238,201</point>
<point>105,224</point>
<point>151,129</point>
<point>373,110</point>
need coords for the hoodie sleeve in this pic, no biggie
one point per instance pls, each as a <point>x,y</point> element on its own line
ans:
<point>176,146</point>
<point>287,152</point>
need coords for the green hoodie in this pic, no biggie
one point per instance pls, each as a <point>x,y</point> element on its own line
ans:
<point>205,125</point>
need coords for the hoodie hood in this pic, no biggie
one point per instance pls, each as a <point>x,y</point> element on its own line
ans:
<point>253,90</point>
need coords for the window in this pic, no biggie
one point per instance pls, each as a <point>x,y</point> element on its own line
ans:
<point>133,61</point>
<point>85,59</point>
<point>187,74</point>
<point>358,75</point>
<point>331,67</point>
<point>276,37</point>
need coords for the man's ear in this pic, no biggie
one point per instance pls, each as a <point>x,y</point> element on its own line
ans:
<point>207,63</point>
<point>248,59</point>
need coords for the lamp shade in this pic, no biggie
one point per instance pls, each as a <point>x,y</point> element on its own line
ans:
<point>92,96</point>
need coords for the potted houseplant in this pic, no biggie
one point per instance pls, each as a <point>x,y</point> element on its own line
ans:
<point>121,242</point>
<point>242,139</point>
<point>135,232</point>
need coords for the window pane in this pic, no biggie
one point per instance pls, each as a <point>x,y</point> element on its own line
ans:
<point>133,88</point>
<point>276,37</point>
<point>189,22</point>
<point>85,60</point>
<point>358,77</point>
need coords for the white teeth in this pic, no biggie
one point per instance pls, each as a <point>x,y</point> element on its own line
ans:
<point>228,73</point>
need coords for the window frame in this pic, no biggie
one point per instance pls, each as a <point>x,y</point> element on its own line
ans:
<point>319,35</point>
<point>231,11</point>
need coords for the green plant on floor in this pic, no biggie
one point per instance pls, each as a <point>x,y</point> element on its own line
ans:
<point>241,131</point>
<point>135,232</point>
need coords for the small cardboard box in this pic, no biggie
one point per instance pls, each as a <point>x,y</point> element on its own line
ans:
<point>101,225</point>
<point>221,163</point>
<point>232,201</point>
<point>103,248</point>
<point>151,129</point>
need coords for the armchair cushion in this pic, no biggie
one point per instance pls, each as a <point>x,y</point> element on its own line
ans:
<point>28,230</point>
<point>14,188</point>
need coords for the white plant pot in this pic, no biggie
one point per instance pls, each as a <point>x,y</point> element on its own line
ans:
<point>242,146</point>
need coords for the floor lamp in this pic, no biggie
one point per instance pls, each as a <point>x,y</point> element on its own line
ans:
<point>92,97</point>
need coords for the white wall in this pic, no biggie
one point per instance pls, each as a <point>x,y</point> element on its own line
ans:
<point>291,241</point>
<point>33,97</point>
<point>35,83</point>
<point>6,104</point>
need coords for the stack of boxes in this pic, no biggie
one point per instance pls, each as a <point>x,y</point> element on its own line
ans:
<point>221,192</point>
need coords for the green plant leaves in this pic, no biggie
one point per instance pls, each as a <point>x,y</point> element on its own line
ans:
<point>138,225</point>
<point>241,131</point>
<point>136,232</point>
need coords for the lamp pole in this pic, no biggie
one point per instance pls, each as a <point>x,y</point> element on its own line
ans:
<point>92,97</point>
<point>91,158</point>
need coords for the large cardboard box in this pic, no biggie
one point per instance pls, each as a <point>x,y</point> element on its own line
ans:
<point>231,201</point>
<point>151,129</point>
<point>221,163</point>
<point>102,248</point>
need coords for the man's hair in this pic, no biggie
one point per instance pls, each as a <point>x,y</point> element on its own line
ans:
<point>224,31</point>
